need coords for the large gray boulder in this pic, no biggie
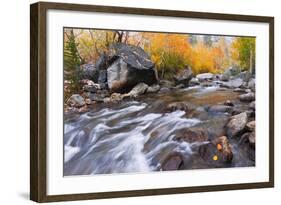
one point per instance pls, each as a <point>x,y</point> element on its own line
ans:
<point>128,66</point>
<point>89,71</point>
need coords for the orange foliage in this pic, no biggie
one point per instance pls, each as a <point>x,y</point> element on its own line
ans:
<point>206,59</point>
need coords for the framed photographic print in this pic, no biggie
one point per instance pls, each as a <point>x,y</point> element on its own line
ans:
<point>134,102</point>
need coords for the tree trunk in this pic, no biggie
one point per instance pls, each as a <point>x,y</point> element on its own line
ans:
<point>251,62</point>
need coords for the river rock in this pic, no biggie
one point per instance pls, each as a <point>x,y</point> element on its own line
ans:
<point>236,124</point>
<point>129,65</point>
<point>229,72</point>
<point>180,86</point>
<point>252,84</point>
<point>252,139</point>
<point>233,83</point>
<point>250,126</point>
<point>190,135</point>
<point>252,105</point>
<point>89,71</point>
<point>91,88</point>
<point>173,162</point>
<point>164,90</point>
<point>167,84</point>
<point>153,88</point>
<point>88,101</point>
<point>228,103</point>
<point>248,97</point>
<point>217,152</point>
<point>223,146</point>
<point>239,90</point>
<point>204,76</point>
<point>184,77</point>
<point>83,109</point>
<point>115,97</point>
<point>220,108</point>
<point>249,138</point>
<point>245,76</point>
<point>98,96</point>
<point>139,89</point>
<point>177,106</point>
<point>194,81</point>
<point>76,100</point>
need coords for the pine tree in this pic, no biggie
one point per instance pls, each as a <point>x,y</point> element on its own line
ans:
<point>72,62</point>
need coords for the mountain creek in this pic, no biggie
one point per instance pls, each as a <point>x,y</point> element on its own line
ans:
<point>181,129</point>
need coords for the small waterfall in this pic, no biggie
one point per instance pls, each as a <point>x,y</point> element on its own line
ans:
<point>122,140</point>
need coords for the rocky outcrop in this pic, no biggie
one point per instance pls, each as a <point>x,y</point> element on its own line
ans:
<point>128,66</point>
<point>236,124</point>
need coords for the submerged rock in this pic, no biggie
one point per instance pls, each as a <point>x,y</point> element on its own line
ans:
<point>220,108</point>
<point>236,124</point>
<point>129,65</point>
<point>190,135</point>
<point>173,162</point>
<point>76,100</point>
<point>177,106</point>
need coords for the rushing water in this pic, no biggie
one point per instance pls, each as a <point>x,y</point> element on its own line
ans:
<point>135,135</point>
